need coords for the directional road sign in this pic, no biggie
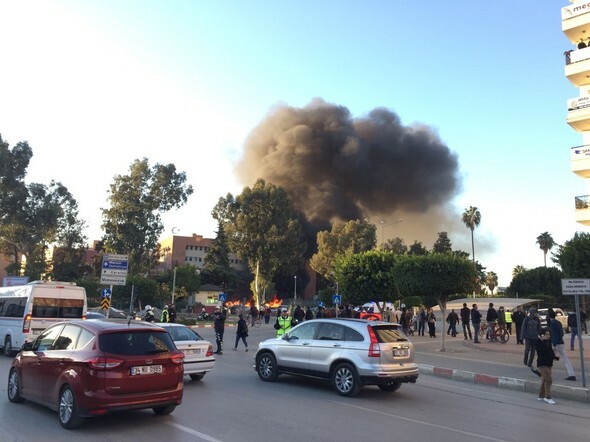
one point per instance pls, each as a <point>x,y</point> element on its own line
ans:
<point>114,269</point>
<point>106,293</point>
<point>575,286</point>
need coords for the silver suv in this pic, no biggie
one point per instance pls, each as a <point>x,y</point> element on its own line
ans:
<point>349,352</point>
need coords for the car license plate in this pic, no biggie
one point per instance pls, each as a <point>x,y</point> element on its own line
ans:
<point>193,351</point>
<point>400,352</point>
<point>146,369</point>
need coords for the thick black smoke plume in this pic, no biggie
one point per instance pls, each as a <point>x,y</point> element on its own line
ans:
<point>336,167</point>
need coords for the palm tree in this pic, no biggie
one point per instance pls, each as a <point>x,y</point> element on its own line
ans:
<point>517,271</point>
<point>546,243</point>
<point>472,218</point>
<point>491,281</point>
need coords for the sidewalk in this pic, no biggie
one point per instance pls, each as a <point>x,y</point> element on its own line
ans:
<point>500,365</point>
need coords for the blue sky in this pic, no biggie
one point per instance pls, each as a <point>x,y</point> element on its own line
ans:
<point>94,85</point>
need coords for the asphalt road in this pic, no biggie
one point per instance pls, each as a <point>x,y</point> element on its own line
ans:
<point>232,404</point>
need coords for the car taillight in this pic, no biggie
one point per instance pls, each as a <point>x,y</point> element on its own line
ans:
<point>374,349</point>
<point>27,323</point>
<point>210,350</point>
<point>177,359</point>
<point>103,363</point>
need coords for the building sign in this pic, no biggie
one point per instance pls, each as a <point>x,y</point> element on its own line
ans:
<point>578,103</point>
<point>574,10</point>
<point>580,153</point>
<point>11,281</point>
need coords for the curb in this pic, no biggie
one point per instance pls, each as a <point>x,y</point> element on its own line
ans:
<point>560,391</point>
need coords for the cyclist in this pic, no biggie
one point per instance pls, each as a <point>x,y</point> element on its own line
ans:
<point>491,317</point>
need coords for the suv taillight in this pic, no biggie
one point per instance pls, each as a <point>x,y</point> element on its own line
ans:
<point>374,349</point>
<point>27,324</point>
<point>103,363</point>
<point>177,358</point>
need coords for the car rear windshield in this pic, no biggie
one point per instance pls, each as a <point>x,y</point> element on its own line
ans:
<point>136,343</point>
<point>389,333</point>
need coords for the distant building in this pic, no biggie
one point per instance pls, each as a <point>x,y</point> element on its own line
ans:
<point>181,250</point>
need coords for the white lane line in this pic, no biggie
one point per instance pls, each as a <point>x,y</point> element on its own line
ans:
<point>193,432</point>
<point>443,427</point>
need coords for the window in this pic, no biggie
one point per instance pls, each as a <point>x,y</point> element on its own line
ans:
<point>306,331</point>
<point>85,338</point>
<point>136,343</point>
<point>389,333</point>
<point>46,339</point>
<point>352,335</point>
<point>14,307</point>
<point>67,338</point>
<point>331,332</point>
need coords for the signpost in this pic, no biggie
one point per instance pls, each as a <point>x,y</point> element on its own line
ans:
<point>114,272</point>
<point>577,287</point>
<point>337,300</point>
<point>105,304</point>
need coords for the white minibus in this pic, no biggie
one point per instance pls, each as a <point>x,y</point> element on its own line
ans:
<point>27,310</point>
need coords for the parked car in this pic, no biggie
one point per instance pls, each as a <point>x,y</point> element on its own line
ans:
<point>350,353</point>
<point>560,315</point>
<point>95,315</point>
<point>87,368</point>
<point>198,353</point>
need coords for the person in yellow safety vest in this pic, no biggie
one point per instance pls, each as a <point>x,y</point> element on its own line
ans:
<point>165,315</point>
<point>284,322</point>
<point>509,321</point>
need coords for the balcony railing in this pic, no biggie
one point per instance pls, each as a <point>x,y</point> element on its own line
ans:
<point>582,202</point>
<point>576,55</point>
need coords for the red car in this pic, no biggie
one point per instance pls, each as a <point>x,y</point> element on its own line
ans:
<point>88,368</point>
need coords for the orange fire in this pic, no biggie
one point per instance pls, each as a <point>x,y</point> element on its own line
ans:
<point>275,302</point>
<point>232,303</point>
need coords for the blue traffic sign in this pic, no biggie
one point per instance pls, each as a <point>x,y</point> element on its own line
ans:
<point>117,265</point>
<point>222,297</point>
<point>106,293</point>
<point>337,299</point>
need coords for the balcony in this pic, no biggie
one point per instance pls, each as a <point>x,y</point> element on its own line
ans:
<point>582,210</point>
<point>578,113</point>
<point>575,21</point>
<point>577,66</point>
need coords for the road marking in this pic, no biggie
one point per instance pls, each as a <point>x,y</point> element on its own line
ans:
<point>416,421</point>
<point>193,432</point>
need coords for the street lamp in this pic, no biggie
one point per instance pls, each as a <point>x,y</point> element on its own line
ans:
<point>383,225</point>
<point>295,291</point>
<point>173,285</point>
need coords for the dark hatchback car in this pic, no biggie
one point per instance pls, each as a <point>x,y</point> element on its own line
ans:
<point>87,368</point>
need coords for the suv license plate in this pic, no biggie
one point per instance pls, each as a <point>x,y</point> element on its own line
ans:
<point>400,352</point>
<point>146,369</point>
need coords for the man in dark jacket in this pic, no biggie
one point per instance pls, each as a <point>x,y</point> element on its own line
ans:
<point>518,318</point>
<point>219,327</point>
<point>452,319</point>
<point>531,329</point>
<point>491,317</point>
<point>298,315</point>
<point>465,315</point>
<point>476,321</point>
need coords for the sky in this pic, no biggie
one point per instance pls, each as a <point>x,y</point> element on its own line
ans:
<point>94,85</point>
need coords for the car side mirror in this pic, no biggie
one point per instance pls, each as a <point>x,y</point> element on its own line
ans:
<point>285,337</point>
<point>28,346</point>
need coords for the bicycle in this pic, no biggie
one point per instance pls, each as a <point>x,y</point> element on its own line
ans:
<point>498,333</point>
<point>255,323</point>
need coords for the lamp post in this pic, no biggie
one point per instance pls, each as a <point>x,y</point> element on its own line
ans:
<point>383,225</point>
<point>295,291</point>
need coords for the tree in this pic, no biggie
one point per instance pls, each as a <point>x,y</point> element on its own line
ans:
<point>263,229</point>
<point>417,249</point>
<point>436,276</point>
<point>366,276</point>
<point>442,244</point>
<point>544,281</point>
<point>472,218</point>
<point>187,281</point>
<point>132,224</point>
<point>491,281</point>
<point>216,269</point>
<point>396,245</point>
<point>517,270</point>
<point>574,258</point>
<point>546,243</point>
<point>344,238</point>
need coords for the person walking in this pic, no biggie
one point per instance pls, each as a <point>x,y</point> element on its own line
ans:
<point>241,332</point>
<point>404,320</point>
<point>518,318</point>
<point>283,324</point>
<point>172,313</point>
<point>531,329</point>
<point>501,318</point>
<point>545,357</point>
<point>431,323</point>
<point>452,319</point>
<point>465,317</point>
<point>308,314</point>
<point>476,321</point>
<point>556,329</point>
<point>422,319</point>
<point>219,327</point>
<point>267,314</point>
<point>491,317</point>
<point>572,323</point>
<point>165,314</point>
